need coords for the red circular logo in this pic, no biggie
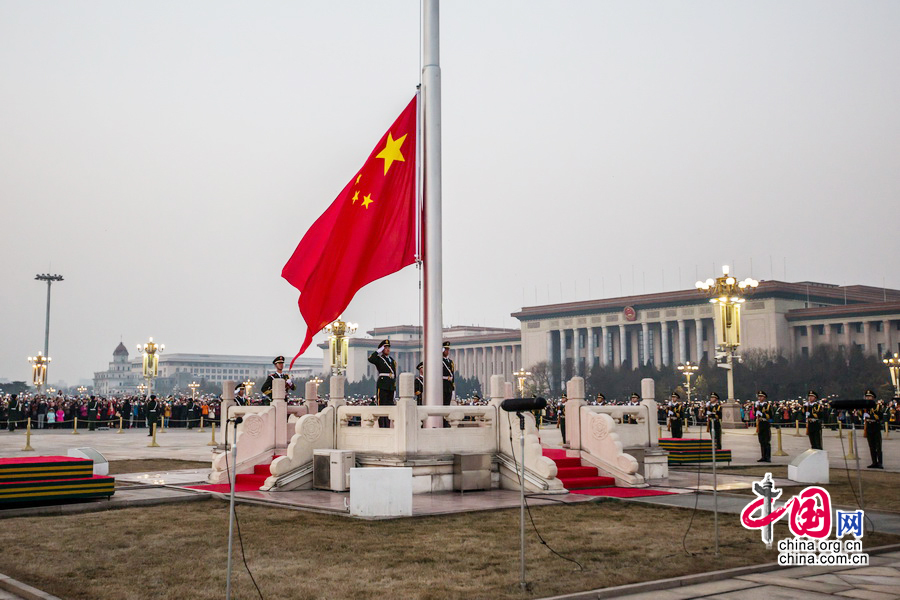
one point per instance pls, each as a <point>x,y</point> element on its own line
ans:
<point>630,313</point>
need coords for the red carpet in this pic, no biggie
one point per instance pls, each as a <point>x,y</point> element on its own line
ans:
<point>224,488</point>
<point>620,492</point>
<point>250,482</point>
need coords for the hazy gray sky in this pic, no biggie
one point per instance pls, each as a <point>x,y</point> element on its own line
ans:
<point>167,157</point>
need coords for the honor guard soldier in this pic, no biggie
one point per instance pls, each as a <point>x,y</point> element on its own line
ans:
<point>448,374</point>
<point>239,398</point>
<point>764,426</point>
<point>92,413</point>
<point>387,378</point>
<point>419,383</point>
<point>714,419</point>
<point>676,415</point>
<point>813,422</point>
<point>16,408</point>
<point>601,399</point>
<point>152,413</point>
<point>873,419</point>
<point>266,389</point>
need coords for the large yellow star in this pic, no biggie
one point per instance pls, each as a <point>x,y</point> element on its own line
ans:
<point>367,200</point>
<point>355,196</point>
<point>391,152</point>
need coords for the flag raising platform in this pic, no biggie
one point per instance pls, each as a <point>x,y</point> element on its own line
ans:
<point>692,450</point>
<point>50,478</point>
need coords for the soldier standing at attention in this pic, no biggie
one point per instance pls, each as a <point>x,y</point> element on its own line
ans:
<point>152,413</point>
<point>448,375</point>
<point>387,378</point>
<point>714,420</point>
<point>872,419</point>
<point>419,384</point>
<point>763,427</point>
<point>813,423</point>
<point>266,389</point>
<point>92,413</point>
<point>675,415</point>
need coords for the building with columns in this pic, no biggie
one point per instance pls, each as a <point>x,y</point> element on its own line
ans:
<point>674,327</point>
<point>478,352</point>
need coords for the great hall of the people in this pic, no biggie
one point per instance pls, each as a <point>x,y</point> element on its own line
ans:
<point>660,329</point>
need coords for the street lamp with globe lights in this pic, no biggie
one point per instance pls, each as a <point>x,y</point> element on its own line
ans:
<point>151,351</point>
<point>521,375</point>
<point>688,370</point>
<point>893,364</point>
<point>39,370</point>
<point>339,343</point>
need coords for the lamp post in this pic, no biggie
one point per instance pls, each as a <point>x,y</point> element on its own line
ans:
<point>39,370</point>
<point>688,370</point>
<point>248,388</point>
<point>142,388</point>
<point>316,380</point>
<point>893,364</point>
<point>193,385</point>
<point>81,390</point>
<point>339,344</point>
<point>521,375</point>
<point>151,351</point>
<point>49,279</point>
<point>727,293</point>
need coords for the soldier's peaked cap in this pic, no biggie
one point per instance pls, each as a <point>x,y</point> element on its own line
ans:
<point>446,344</point>
<point>278,359</point>
<point>762,393</point>
<point>677,395</point>
<point>385,343</point>
<point>635,395</point>
<point>812,393</point>
<point>714,395</point>
<point>870,393</point>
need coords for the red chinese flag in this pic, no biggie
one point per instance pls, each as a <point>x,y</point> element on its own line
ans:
<point>368,232</point>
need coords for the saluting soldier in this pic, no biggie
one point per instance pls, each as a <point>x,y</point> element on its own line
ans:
<point>266,389</point>
<point>714,419</point>
<point>449,378</point>
<point>813,422</point>
<point>873,419</point>
<point>152,413</point>
<point>763,426</point>
<point>675,414</point>
<point>387,378</point>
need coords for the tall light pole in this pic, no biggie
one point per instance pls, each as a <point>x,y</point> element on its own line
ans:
<point>39,370</point>
<point>688,370</point>
<point>248,388</point>
<point>193,385</point>
<point>893,364</point>
<point>81,390</point>
<point>49,279</point>
<point>727,293</point>
<point>521,375</point>
<point>339,344</point>
<point>151,351</point>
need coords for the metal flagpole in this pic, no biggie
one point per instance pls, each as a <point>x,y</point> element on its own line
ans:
<point>431,85</point>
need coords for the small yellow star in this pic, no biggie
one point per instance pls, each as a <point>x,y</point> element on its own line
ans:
<point>355,196</point>
<point>391,152</point>
<point>358,177</point>
<point>367,200</point>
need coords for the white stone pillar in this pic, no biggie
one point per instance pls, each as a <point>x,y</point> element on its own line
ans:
<point>888,336</point>
<point>867,339</point>
<point>682,341</point>
<point>406,424</point>
<point>549,357</point>
<point>278,402</point>
<point>576,352</point>
<point>645,342</point>
<point>664,343</point>
<point>336,391</point>
<point>623,345</point>
<point>575,395</point>
<point>849,337</point>
<point>605,359</point>
<point>698,330</point>
<point>562,357</point>
<point>589,363</point>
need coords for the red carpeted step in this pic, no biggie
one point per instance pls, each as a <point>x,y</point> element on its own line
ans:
<point>565,463</point>
<point>581,483</point>
<point>570,472</point>
<point>262,469</point>
<point>257,480</point>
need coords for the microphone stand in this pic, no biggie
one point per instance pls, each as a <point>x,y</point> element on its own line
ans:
<point>233,479</point>
<point>522,582</point>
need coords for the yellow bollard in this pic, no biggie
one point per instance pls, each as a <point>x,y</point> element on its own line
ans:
<point>797,425</point>
<point>840,430</point>
<point>887,431</point>
<point>162,428</point>
<point>201,425</point>
<point>153,443</point>
<point>28,447</point>
<point>851,455</point>
<point>213,442</point>
<point>660,431</point>
<point>120,425</point>
<point>75,427</point>
<point>780,451</point>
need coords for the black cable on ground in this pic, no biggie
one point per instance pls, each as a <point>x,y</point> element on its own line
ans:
<point>696,497</point>
<point>233,482</point>
<point>521,477</point>
<point>850,480</point>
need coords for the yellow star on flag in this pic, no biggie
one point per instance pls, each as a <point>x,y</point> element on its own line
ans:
<point>355,196</point>
<point>391,152</point>
<point>367,200</point>
<point>358,177</point>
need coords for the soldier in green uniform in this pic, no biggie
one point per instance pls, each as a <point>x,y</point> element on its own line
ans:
<point>419,384</point>
<point>92,413</point>
<point>873,419</point>
<point>152,413</point>
<point>266,389</point>
<point>764,426</point>
<point>714,419</point>
<point>813,422</point>
<point>387,378</point>
<point>675,413</point>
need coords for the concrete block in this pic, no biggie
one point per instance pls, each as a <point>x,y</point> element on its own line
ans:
<point>381,492</point>
<point>809,467</point>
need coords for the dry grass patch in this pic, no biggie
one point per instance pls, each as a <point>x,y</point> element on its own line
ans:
<point>881,489</point>
<point>145,465</point>
<point>178,551</point>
